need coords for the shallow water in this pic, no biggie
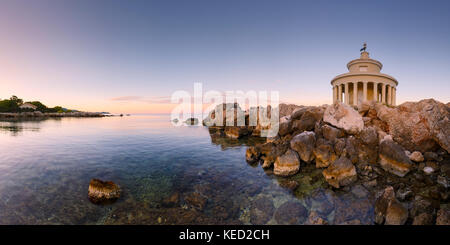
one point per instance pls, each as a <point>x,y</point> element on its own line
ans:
<point>46,166</point>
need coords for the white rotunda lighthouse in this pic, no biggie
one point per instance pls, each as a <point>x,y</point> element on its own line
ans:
<point>364,82</point>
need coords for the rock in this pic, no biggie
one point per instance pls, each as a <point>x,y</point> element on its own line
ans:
<point>290,184</point>
<point>251,155</point>
<point>340,173</point>
<point>393,158</point>
<point>432,156</point>
<point>418,126</point>
<point>421,205</point>
<point>172,200</point>
<point>324,154</point>
<point>428,170</point>
<point>303,144</point>
<point>285,126</point>
<point>331,133</point>
<point>359,191</point>
<point>423,219</point>
<point>369,136</point>
<point>236,132</point>
<point>443,216</point>
<point>416,156</point>
<point>103,192</point>
<point>287,164</point>
<point>196,200</point>
<point>344,117</point>
<point>396,214</point>
<point>308,119</point>
<point>261,210</point>
<point>389,210</point>
<point>442,181</point>
<point>315,219</point>
<point>404,194</point>
<point>190,121</point>
<point>291,213</point>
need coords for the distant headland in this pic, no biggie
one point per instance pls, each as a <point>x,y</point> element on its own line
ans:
<point>16,108</point>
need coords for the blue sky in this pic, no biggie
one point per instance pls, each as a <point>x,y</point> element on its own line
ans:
<point>83,54</point>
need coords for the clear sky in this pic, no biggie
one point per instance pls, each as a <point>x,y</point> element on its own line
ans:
<point>129,56</point>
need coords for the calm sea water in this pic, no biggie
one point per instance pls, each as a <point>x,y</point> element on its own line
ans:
<point>46,166</point>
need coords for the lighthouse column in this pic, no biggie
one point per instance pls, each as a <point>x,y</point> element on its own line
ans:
<point>355,93</point>
<point>364,91</point>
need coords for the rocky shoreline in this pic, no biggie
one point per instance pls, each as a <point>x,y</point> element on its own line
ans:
<point>401,154</point>
<point>38,114</point>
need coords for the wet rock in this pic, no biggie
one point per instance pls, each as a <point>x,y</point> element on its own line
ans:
<point>251,155</point>
<point>370,183</point>
<point>261,211</point>
<point>287,164</point>
<point>348,210</point>
<point>290,184</point>
<point>304,144</point>
<point>340,173</point>
<point>421,205</point>
<point>344,117</point>
<point>359,191</point>
<point>324,155</point>
<point>416,157</point>
<point>191,121</point>
<point>236,132</point>
<point>291,213</point>
<point>443,181</point>
<point>196,200</point>
<point>428,170</point>
<point>393,158</point>
<point>331,133</point>
<point>339,146</point>
<point>389,210</point>
<point>432,156</point>
<point>315,219</point>
<point>103,192</point>
<point>443,216</point>
<point>396,214</point>
<point>351,222</point>
<point>404,194</point>
<point>423,219</point>
<point>171,201</point>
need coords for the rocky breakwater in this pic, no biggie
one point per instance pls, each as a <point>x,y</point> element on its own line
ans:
<point>38,114</point>
<point>403,148</point>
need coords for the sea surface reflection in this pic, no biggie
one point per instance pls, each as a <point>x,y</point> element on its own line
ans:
<point>169,175</point>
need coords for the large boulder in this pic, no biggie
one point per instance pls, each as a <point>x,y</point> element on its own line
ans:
<point>345,117</point>
<point>308,118</point>
<point>236,132</point>
<point>340,173</point>
<point>285,126</point>
<point>393,158</point>
<point>103,192</point>
<point>418,126</point>
<point>331,133</point>
<point>304,144</point>
<point>324,154</point>
<point>287,164</point>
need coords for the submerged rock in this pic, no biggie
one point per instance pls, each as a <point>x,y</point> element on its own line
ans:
<point>393,158</point>
<point>287,164</point>
<point>388,210</point>
<point>103,192</point>
<point>443,216</point>
<point>340,173</point>
<point>291,213</point>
